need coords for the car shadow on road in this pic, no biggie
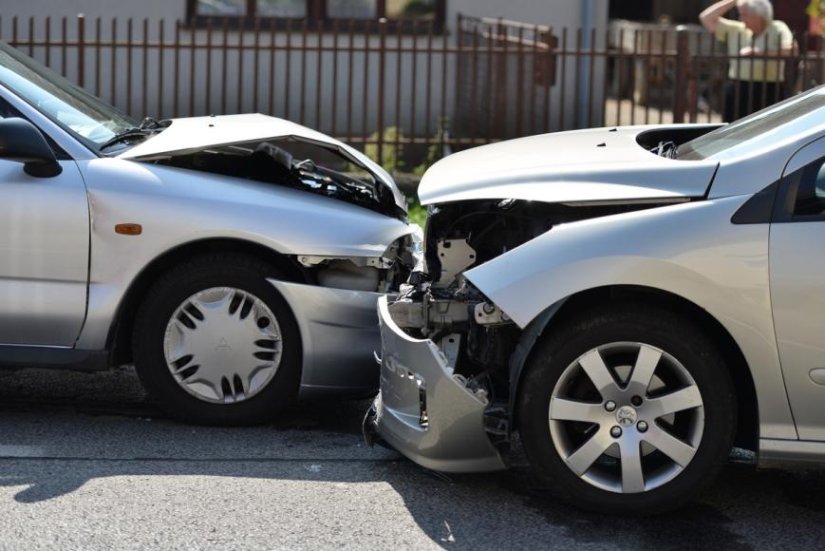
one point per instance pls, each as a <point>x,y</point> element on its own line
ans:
<point>53,445</point>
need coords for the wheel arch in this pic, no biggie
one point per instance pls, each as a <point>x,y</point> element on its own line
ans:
<point>119,342</point>
<point>747,427</point>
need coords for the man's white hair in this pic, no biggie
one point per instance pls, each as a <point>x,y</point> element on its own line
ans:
<point>760,8</point>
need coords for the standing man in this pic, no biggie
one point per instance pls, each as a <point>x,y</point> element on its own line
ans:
<point>756,45</point>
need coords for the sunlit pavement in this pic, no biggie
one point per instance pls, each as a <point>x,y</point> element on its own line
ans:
<point>86,463</point>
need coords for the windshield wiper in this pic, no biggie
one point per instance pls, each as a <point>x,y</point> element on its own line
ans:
<point>147,127</point>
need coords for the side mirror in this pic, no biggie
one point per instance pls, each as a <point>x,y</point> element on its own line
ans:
<point>21,141</point>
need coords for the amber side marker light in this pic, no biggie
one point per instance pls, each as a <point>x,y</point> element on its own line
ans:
<point>129,229</point>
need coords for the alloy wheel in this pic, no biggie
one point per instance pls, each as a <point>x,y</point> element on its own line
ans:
<point>626,417</point>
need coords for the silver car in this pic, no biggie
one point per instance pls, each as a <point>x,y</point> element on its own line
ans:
<point>236,260</point>
<point>632,303</point>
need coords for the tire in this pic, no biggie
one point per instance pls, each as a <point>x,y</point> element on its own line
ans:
<point>228,336</point>
<point>575,448</point>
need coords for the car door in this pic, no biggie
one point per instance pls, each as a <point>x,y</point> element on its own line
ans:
<point>797,272</point>
<point>44,254</point>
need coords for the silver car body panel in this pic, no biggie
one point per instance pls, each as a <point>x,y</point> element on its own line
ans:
<point>648,248</point>
<point>798,296</point>
<point>199,133</point>
<point>598,165</point>
<point>453,437</point>
<point>609,165</point>
<point>790,450</point>
<point>749,174</point>
<point>178,206</point>
<point>762,282</point>
<point>44,239</point>
<point>43,288</point>
<point>691,250</point>
<point>338,337</point>
<point>54,295</point>
<point>66,272</point>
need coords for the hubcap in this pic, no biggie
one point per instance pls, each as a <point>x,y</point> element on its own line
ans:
<point>223,345</point>
<point>626,417</point>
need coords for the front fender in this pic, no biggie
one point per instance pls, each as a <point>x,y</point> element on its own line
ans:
<point>176,207</point>
<point>691,250</point>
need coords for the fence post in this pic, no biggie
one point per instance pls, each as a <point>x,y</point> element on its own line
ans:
<point>500,116</point>
<point>81,50</point>
<point>681,80</point>
<point>382,65</point>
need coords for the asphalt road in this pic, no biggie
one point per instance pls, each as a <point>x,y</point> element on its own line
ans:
<point>86,463</point>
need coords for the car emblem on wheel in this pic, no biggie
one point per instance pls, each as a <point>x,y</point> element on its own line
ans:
<point>223,346</point>
<point>626,416</point>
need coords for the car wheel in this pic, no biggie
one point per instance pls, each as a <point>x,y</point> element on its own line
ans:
<point>215,343</point>
<point>628,411</point>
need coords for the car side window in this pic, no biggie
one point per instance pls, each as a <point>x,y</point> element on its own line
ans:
<point>809,199</point>
<point>819,188</point>
<point>7,110</point>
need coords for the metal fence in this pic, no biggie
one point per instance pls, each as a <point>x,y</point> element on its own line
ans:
<point>659,73</point>
<point>405,94</point>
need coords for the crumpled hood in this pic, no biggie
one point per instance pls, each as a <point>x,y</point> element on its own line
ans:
<point>603,164</point>
<point>196,133</point>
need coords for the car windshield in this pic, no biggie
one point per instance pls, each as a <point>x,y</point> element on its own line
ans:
<point>91,120</point>
<point>786,118</point>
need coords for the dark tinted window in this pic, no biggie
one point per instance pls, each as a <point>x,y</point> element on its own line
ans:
<point>810,195</point>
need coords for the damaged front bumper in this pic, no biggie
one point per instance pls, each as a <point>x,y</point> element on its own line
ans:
<point>423,410</point>
<point>338,335</point>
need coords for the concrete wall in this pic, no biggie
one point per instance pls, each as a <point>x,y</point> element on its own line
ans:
<point>293,85</point>
<point>558,13</point>
<point>153,9</point>
<point>555,13</point>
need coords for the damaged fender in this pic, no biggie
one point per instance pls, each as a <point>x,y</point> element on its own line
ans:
<point>338,331</point>
<point>646,248</point>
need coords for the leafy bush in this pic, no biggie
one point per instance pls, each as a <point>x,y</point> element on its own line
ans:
<point>416,213</point>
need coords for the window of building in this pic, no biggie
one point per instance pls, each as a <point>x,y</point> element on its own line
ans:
<point>403,15</point>
<point>279,8</point>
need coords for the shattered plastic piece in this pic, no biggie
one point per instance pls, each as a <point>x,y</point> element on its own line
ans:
<point>450,538</point>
